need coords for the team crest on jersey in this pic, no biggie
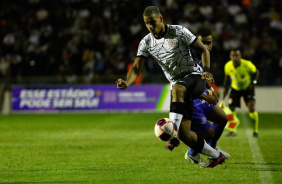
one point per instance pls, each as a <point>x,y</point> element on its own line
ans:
<point>171,42</point>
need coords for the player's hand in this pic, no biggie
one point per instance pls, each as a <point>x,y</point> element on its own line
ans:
<point>121,84</point>
<point>214,94</point>
<point>208,76</point>
<point>210,99</point>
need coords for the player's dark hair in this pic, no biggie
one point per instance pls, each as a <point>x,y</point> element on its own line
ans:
<point>150,10</point>
<point>204,32</point>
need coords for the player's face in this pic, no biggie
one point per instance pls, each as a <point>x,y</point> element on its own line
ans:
<point>207,41</point>
<point>154,24</point>
<point>235,56</point>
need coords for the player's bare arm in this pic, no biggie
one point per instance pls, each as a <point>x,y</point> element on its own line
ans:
<point>198,45</point>
<point>226,84</point>
<point>132,74</point>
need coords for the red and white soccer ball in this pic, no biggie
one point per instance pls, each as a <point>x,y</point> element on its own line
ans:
<point>165,129</point>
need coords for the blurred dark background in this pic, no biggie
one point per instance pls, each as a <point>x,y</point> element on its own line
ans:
<point>94,41</point>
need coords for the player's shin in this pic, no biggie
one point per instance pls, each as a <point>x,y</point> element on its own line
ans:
<point>255,118</point>
<point>209,151</point>
<point>217,133</point>
<point>177,109</point>
<point>176,118</point>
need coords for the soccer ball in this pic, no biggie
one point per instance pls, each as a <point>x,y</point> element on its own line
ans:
<point>165,129</point>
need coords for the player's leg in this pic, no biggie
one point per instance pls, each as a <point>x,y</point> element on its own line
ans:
<point>177,105</point>
<point>194,156</point>
<point>202,127</point>
<point>181,110</point>
<point>219,119</point>
<point>181,114</point>
<point>195,141</point>
<point>193,85</point>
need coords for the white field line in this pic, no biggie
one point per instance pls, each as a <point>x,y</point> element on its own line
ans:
<point>264,171</point>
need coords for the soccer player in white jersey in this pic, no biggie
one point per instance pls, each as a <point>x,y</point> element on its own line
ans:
<point>169,46</point>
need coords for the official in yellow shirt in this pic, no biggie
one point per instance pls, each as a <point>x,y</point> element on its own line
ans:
<point>241,76</point>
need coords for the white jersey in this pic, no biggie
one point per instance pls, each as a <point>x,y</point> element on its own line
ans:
<point>171,52</point>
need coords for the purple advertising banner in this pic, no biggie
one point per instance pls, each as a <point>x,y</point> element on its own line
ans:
<point>92,97</point>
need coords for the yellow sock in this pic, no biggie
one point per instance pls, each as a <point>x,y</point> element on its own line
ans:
<point>255,118</point>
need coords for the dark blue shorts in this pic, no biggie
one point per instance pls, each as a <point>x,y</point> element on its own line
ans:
<point>200,123</point>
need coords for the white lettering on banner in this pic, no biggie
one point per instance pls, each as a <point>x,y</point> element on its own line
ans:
<point>53,93</point>
<point>132,94</point>
<point>63,103</point>
<point>137,96</point>
<point>35,103</point>
<point>71,93</point>
<point>30,93</point>
<point>58,98</point>
<point>84,103</point>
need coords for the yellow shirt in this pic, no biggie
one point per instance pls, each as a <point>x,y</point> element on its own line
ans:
<point>241,75</point>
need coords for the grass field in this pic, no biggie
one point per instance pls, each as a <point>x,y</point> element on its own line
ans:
<point>122,148</point>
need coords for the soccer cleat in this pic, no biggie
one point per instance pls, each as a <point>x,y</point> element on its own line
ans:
<point>172,143</point>
<point>231,134</point>
<point>255,134</point>
<point>194,159</point>
<point>223,152</point>
<point>214,162</point>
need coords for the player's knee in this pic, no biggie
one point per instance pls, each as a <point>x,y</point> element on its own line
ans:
<point>177,93</point>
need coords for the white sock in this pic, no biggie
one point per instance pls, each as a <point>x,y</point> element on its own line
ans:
<point>176,118</point>
<point>209,151</point>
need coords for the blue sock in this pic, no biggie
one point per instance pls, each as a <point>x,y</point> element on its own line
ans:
<point>192,152</point>
<point>217,133</point>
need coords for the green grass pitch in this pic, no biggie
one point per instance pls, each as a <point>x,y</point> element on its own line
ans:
<point>122,148</point>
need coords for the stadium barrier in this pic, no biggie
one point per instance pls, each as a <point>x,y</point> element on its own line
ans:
<point>87,98</point>
<point>107,98</point>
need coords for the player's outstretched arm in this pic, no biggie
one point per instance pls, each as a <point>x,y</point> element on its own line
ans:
<point>198,45</point>
<point>132,74</point>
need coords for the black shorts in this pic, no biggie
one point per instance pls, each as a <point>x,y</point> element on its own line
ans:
<point>195,86</point>
<point>235,97</point>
